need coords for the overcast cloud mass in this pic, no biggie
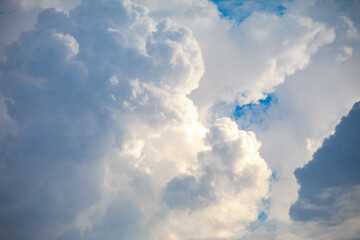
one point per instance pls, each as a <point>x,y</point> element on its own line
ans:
<point>179,120</point>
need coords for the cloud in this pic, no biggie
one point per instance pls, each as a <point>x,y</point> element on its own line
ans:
<point>99,137</point>
<point>299,113</point>
<point>347,52</point>
<point>310,103</point>
<point>351,31</point>
<point>101,103</point>
<point>20,15</point>
<point>262,55</point>
<point>230,183</point>
<point>329,184</point>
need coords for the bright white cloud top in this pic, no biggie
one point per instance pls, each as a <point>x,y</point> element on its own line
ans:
<point>176,120</point>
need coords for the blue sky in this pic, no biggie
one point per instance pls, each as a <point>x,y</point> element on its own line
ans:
<point>242,9</point>
<point>179,120</point>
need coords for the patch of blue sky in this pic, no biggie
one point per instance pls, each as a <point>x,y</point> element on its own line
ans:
<point>262,215</point>
<point>264,206</point>
<point>274,176</point>
<point>253,113</point>
<point>273,179</point>
<point>242,9</point>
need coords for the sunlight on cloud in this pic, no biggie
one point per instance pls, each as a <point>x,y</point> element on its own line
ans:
<point>113,106</point>
<point>227,187</point>
<point>175,120</point>
<point>262,55</point>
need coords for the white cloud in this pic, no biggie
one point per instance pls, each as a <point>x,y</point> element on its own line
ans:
<point>312,144</point>
<point>351,31</point>
<point>232,179</point>
<point>310,102</point>
<point>113,80</point>
<point>114,96</point>
<point>347,52</point>
<point>264,49</point>
<point>106,124</point>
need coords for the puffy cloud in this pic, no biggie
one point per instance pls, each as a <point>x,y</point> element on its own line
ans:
<point>99,137</point>
<point>347,52</point>
<point>309,104</point>
<point>299,113</point>
<point>264,48</point>
<point>108,98</point>
<point>329,184</point>
<point>19,15</point>
<point>230,183</point>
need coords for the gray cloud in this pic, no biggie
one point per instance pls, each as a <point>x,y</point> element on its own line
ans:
<point>187,192</point>
<point>329,184</point>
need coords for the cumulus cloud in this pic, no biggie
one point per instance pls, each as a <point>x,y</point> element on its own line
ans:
<point>309,102</point>
<point>230,183</point>
<point>264,48</point>
<point>113,105</point>
<point>329,184</point>
<point>99,137</point>
<point>19,15</point>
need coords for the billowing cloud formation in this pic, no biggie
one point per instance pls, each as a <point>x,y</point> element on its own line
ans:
<point>231,178</point>
<point>97,104</point>
<point>264,49</point>
<point>99,138</point>
<point>330,183</point>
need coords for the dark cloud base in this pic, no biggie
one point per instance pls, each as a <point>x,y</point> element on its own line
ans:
<point>329,183</point>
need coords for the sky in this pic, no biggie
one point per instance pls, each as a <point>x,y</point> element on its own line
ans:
<point>179,119</point>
